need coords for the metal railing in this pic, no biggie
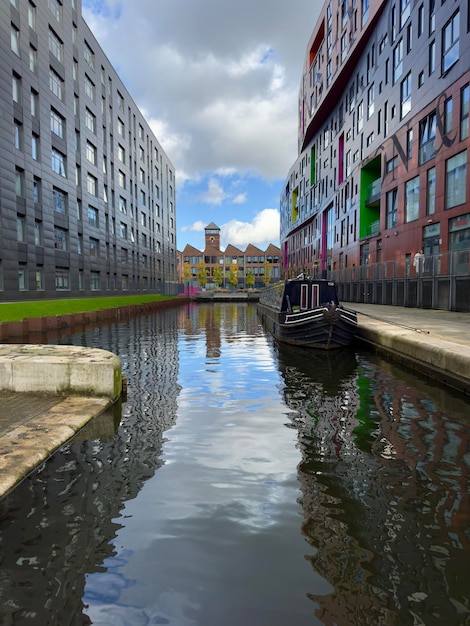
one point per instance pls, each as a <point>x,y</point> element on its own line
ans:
<point>439,281</point>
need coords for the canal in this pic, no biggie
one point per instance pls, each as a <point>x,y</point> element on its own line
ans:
<point>246,484</point>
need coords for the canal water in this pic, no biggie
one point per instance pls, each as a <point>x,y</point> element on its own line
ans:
<point>248,484</point>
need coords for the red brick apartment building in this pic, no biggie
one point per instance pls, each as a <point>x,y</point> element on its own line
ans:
<point>382,169</point>
<point>212,256</point>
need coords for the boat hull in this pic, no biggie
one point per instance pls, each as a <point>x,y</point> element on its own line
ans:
<point>316,328</point>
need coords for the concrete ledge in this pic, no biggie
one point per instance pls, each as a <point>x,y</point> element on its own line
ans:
<point>67,370</point>
<point>24,445</point>
<point>444,360</point>
<point>231,296</point>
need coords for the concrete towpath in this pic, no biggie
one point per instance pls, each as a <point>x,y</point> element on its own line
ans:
<point>432,341</point>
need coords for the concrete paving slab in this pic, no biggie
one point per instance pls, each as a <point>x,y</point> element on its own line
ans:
<point>434,342</point>
<point>34,426</point>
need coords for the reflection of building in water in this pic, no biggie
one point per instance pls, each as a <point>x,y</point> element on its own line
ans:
<point>219,321</point>
<point>62,520</point>
<point>384,492</point>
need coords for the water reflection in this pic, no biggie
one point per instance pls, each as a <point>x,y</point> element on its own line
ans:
<point>384,477</point>
<point>246,483</point>
<point>58,525</point>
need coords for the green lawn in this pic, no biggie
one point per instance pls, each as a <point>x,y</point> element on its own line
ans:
<point>17,311</point>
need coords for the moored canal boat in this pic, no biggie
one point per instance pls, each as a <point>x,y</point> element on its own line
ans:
<point>305,311</point>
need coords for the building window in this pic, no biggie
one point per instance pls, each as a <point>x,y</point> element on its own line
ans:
<point>56,84</point>
<point>89,55</point>
<point>19,182</point>
<point>120,127</point>
<point>456,177</point>
<point>39,278</point>
<point>431,189</point>
<point>34,103</point>
<point>33,59</point>
<point>16,88</point>
<point>56,46</point>
<point>122,205</point>
<point>32,16</point>
<point>405,96</point>
<point>91,153</point>
<point>464,109</point>
<point>36,190</point>
<point>60,201</point>
<point>432,57</point>
<point>122,179</point>
<point>370,101</point>
<point>21,228</point>
<point>448,116</point>
<point>15,39</point>
<point>80,244</point>
<point>90,88</point>
<point>450,42</point>
<point>404,11</point>
<point>22,278</point>
<point>365,11</point>
<point>120,102</point>
<point>95,281</point>
<point>57,124</point>
<point>432,16</point>
<point>58,163</point>
<point>90,121</point>
<point>392,208</point>
<point>18,135</point>
<point>398,61</point>
<point>92,185</point>
<point>62,280</point>
<point>55,7</point>
<point>60,238</point>
<point>412,199</point>
<point>409,143</point>
<point>93,217</point>
<point>121,154</point>
<point>38,233</point>
<point>35,147</point>
<point>427,138</point>
<point>94,247</point>
<point>123,230</point>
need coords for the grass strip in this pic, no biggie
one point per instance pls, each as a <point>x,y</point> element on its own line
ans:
<point>17,311</point>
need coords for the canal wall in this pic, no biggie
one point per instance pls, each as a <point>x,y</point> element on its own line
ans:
<point>46,324</point>
<point>433,342</point>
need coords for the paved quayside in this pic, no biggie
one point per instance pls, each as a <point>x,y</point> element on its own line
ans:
<point>432,341</point>
<point>47,395</point>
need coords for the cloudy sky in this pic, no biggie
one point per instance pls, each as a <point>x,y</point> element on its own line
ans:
<point>218,82</point>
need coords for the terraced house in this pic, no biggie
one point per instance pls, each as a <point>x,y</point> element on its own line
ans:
<point>252,261</point>
<point>87,194</point>
<point>382,175</point>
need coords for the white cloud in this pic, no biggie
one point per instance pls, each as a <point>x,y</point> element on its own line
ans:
<point>263,230</point>
<point>221,84</point>
<point>214,193</point>
<point>196,227</point>
<point>240,199</point>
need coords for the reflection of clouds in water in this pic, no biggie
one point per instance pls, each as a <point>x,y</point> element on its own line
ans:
<point>169,608</point>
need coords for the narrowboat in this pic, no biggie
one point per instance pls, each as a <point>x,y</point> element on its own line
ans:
<point>305,311</point>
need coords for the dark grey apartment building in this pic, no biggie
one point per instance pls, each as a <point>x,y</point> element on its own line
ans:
<point>87,195</point>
